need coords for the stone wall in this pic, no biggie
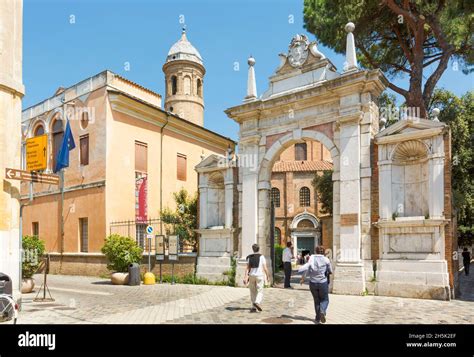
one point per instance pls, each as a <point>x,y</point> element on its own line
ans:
<point>96,265</point>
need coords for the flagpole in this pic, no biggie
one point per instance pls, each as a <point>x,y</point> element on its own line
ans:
<point>61,187</point>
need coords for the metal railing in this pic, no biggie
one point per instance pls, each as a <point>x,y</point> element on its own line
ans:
<point>137,231</point>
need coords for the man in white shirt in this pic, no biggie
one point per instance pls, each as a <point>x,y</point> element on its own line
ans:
<point>286,258</point>
<point>255,277</point>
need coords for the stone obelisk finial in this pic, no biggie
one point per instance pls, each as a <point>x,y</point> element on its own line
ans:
<point>351,59</point>
<point>251,83</point>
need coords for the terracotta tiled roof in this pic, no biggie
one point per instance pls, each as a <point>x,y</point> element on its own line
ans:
<point>285,166</point>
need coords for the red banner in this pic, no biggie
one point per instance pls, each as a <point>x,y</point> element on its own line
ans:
<point>141,192</point>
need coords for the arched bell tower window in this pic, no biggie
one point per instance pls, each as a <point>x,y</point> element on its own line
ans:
<point>174,85</point>
<point>199,88</point>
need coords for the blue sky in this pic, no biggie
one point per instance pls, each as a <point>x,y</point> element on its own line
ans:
<point>108,33</point>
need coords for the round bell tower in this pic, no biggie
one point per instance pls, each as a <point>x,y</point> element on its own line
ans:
<point>184,73</point>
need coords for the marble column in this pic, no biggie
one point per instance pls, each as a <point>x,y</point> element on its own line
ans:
<point>203,201</point>
<point>436,187</point>
<point>349,275</point>
<point>229,197</point>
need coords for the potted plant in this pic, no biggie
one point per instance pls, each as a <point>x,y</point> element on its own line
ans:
<point>33,250</point>
<point>120,253</point>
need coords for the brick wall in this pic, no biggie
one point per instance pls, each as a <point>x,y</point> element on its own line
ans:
<point>374,202</point>
<point>96,265</point>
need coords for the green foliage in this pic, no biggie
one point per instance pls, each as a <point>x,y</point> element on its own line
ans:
<point>278,257</point>
<point>458,113</point>
<point>190,279</point>
<point>400,38</point>
<point>33,250</point>
<point>232,272</point>
<point>183,220</point>
<point>121,252</point>
<point>324,189</point>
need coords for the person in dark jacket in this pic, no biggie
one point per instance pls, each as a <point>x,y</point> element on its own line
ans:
<point>466,259</point>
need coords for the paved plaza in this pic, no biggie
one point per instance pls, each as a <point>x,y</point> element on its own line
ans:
<point>89,300</point>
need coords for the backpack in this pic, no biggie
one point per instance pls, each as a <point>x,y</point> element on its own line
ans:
<point>254,260</point>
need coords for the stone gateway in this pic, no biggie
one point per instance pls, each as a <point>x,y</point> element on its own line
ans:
<point>392,217</point>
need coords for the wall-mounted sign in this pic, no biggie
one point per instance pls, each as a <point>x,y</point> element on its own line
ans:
<point>160,247</point>
<point>36,149</point>
<point>173,246</point>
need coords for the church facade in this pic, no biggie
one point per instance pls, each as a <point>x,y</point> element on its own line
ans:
<point>392,221</point>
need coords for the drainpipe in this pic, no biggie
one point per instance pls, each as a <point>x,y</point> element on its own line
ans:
<point>161,170</point>
<point>23,205</point>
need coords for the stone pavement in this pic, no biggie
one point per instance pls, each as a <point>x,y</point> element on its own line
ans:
<point>94,300</point>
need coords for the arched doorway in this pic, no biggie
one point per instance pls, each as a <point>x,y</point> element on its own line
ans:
<point>305,234</point>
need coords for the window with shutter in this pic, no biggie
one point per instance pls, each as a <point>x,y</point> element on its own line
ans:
<point>84,145</point>
<point>35,229</point>
<point>141,157</point>
<point>84,234</point>
<point>181,167</point>
<point>301,152</point>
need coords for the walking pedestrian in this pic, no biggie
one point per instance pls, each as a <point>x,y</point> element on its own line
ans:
<point>287,255</point>
<point>255,275</point>
<point>466,259</point>
<point>318,269</point>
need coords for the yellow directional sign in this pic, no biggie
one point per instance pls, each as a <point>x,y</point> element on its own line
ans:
<point>36,151</point>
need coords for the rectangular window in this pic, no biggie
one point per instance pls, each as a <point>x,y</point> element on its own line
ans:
<point>140,234</point>
<point>141,157</point>
<point>301,152</point>
<point>35,229</point>
<point>84,234</point>
<point>84,146</point>
<point>181,167</point>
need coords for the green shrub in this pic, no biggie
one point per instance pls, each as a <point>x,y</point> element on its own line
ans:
<point>278,257</point>
<point>33,250</point>
<point>230,274</point>
<point>190,279</point>
<point>121,252</point>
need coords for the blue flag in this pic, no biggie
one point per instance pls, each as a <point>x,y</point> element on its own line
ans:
<point>67,145</point>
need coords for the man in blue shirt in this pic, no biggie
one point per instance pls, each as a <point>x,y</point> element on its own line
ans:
<point>318,269</point>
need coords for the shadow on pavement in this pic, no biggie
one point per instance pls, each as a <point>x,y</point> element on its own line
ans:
<point>299,318</point>
<point>232,308</point>
<point>102,282</point>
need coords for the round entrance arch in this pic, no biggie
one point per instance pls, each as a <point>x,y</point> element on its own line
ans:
<point>264,182</point>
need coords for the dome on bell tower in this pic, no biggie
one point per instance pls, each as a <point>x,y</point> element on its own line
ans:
<point>184,73</point>
<point>183,50</point>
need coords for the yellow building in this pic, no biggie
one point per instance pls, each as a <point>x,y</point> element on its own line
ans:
<point>131,155</point>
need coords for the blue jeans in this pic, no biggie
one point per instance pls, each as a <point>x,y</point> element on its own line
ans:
<point>320,292</point>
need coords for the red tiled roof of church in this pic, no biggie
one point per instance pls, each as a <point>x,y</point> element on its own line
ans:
<point>285,166</point>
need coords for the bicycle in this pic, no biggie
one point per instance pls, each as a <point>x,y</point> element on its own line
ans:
<point>8,309</point>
